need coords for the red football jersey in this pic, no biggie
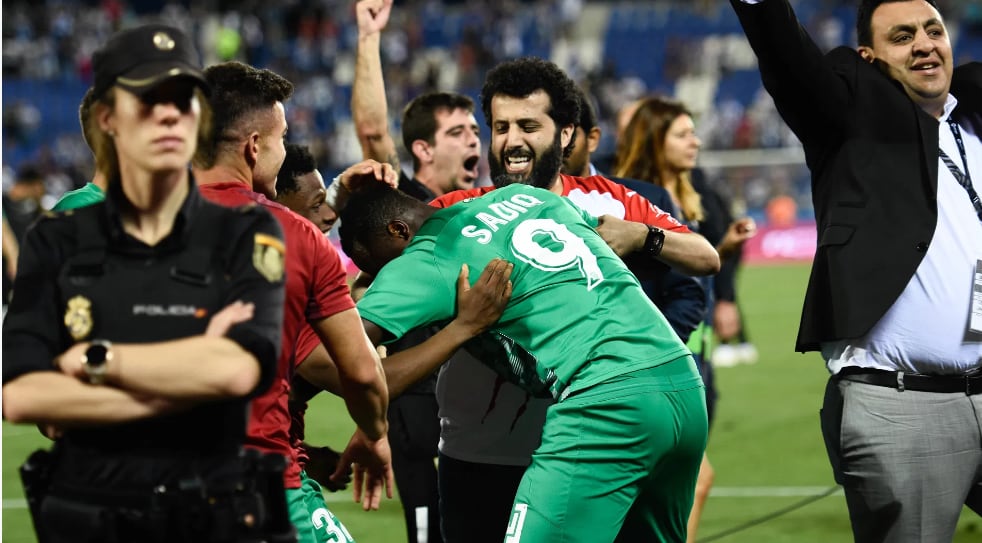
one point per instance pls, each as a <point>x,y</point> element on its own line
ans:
<point>316,288</point>
<point>596,195</point>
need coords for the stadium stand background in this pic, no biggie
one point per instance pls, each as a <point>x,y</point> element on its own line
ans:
<point>693,50</point>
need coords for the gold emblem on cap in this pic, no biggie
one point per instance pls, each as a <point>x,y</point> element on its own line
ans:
<point>267,257</point>
<point>78,317</point>
<point>163,42</point>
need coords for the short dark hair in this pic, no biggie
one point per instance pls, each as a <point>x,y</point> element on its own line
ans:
<point>588,117</point>
<point>419,117</point>
<point>299,161</point>
<point>237,91</point>
<point>521,77</point>
<point>864,18</point>
<point>368,212</point>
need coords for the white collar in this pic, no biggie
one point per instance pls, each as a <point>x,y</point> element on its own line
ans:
<point>949,106</point>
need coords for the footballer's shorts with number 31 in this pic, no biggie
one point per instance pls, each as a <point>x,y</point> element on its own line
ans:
<point>315,523</point>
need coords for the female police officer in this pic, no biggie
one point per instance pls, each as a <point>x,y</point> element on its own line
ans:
<point>141,325</point>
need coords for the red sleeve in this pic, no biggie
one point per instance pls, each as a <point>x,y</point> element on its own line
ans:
<point>306,343</point>
<point>331,294</point>
<point>637,208</point>
<point>452,198</point>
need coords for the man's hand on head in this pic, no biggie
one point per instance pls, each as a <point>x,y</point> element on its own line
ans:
<point>366,173</point>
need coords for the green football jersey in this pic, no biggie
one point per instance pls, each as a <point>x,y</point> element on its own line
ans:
<point>577,315</point>
<point>85,196</point>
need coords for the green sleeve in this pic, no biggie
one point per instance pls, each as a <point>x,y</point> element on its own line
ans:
<point>85,196</point>
<point>411,291</point>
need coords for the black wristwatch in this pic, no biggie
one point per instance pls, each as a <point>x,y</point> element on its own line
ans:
<point>654,242</point>
<point>95,360</point>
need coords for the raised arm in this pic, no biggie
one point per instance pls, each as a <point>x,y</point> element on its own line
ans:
<point>368,106</point>
<point>812,98</point>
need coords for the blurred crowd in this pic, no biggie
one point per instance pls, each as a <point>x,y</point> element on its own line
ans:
<point>429,45</point>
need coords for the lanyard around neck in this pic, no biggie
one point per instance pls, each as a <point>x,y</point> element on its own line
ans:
<point>964,179</point>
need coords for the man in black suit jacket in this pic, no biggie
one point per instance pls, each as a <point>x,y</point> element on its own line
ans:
<point>889,301</point>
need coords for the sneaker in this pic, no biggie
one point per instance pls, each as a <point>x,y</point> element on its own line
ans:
<point>746,353</point>
<point>725,356</point>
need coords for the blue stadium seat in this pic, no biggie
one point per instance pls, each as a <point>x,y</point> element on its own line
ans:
<point>739,85</point>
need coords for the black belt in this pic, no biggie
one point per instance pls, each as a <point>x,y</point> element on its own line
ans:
<point>970,383</point>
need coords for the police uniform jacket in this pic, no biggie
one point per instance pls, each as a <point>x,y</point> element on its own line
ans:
<point>81,277</point>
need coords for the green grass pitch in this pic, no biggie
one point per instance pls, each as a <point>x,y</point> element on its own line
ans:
<point>765,444</point>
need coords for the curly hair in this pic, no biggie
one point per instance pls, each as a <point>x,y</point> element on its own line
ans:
<point>237,92</point>
<point>298,162</point>
<point>521,77</point>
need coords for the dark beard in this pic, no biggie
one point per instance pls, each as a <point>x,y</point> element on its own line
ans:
<point>543,172</point>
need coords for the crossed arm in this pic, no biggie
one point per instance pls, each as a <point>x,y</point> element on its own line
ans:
<point>168,377</point>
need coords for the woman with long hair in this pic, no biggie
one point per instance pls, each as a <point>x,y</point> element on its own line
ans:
<point>660,145</point>
<point>140,327</point>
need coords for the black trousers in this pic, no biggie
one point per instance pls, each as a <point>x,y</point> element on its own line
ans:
<point>414,434</point>
<point>476,500</point>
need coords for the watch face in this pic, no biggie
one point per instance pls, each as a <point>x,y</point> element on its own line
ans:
<point>95,355</point>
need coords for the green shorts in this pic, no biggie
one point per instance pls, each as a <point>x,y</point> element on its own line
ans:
<point>309,513</point>
<point>618,460</point>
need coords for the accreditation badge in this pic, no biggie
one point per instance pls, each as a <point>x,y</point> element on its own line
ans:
<point>268,256</point>
<point>78,317</point>
<point>975,321</point>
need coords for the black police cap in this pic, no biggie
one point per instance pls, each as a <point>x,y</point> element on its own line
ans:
<point>141,58</point>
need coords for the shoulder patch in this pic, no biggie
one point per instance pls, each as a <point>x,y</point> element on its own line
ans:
<point>268,256</point>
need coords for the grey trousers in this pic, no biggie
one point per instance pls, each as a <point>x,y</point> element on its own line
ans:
<point>907,460</point>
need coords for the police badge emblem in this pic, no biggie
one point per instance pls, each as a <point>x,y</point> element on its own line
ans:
<point>267,257</point>
<point>78,317</point>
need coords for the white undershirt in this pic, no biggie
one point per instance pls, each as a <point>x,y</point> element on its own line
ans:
<point>925,330</point>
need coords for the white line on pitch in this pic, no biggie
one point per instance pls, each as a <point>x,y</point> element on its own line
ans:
<point>769,491</point>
